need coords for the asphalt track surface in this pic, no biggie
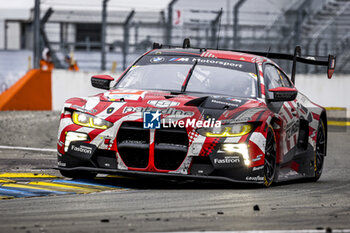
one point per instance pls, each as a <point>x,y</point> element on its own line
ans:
<point>116,204</point>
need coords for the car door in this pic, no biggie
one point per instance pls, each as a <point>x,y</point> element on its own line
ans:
<point>287,110</point>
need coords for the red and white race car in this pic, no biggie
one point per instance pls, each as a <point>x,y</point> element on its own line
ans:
<point>191,113</point>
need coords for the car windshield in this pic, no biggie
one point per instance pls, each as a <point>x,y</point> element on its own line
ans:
<point>216,76</point>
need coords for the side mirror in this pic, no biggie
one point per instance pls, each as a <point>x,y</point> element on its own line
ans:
<point>283,94</point>
<point>101,81</point>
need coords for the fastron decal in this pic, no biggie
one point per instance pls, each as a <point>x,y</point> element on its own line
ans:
<point>227,160</point>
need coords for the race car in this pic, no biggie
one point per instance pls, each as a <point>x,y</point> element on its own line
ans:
<point>197,114</point>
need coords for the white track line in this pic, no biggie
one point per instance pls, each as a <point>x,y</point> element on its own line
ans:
<point>273,231</point>
<point>27,148</point>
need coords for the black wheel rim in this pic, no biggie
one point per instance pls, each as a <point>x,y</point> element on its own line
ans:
<point>320,149</point>
<point>270,157</point>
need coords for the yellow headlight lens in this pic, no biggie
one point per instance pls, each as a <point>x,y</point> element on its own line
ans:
<point>229,131</point>
<point>87,120</point>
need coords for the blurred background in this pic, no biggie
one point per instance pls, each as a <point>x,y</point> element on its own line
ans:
<point>107,35</point>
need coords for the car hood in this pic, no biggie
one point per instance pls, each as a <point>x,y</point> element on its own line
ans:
<point>117,103</point>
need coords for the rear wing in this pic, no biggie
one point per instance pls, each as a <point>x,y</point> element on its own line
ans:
<point>328,61</point>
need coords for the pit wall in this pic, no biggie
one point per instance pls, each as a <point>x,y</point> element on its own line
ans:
<point>35,86</point>
<point>68,84</point>
<point>326,92</point>
<point>31,92</point>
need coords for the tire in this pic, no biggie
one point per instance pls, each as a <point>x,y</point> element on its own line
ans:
<point>320,151</point>
<point>78,174</point>
<point>270,158</point>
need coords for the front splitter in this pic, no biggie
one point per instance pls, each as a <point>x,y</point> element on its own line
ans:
<point>174,176</point>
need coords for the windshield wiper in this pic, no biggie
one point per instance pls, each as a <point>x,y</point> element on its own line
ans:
<point>184,85</point>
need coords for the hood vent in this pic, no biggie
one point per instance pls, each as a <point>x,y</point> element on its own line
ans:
<point>196,102</point>
<point>217,102</point>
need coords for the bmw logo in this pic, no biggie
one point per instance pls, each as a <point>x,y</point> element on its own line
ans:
<point>157,59</point>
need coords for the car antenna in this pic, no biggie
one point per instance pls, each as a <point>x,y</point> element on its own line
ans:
<point>297,53</point>
<point>218,35</point>
<point>268,51</point>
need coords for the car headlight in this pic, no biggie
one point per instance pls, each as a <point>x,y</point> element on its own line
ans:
<point>73,137</point>
<point>87,120</point>
<point>234,130</point>
<point>237,148</point>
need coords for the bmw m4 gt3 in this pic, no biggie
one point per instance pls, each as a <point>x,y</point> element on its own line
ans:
<point>191,113</point>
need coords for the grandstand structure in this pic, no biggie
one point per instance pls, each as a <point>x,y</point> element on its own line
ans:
<point>319,26</point>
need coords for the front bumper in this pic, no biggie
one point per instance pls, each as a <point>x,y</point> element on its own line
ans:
<point>107,164</point>
<point>166,158</point>
<point>171,176</point>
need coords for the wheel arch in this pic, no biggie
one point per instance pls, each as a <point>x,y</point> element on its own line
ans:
<point>277,126</point>
<point>323,118</point>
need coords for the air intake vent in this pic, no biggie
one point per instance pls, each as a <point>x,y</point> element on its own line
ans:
<point>133,144</point>
<point>171,145</point>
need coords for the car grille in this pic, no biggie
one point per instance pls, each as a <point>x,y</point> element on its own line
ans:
<point>133,144</point>
<point>171,145</point>
<point>170,148</point>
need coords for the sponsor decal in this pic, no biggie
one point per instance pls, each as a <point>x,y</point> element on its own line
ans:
<point>151,120</point>
<point>157,59</point>
<point>218,62</point>
<point>82,149</point>
<point>236,120</point>
<point>203,61</point>
<point>258,168</point>
<point>292,128</point>
<point>225,103</point>
<point>163,103</point>
<point>166,111</point>
<point>110,110</point>
<point>183,59</point>
<point>227,160</point>
<point>254,178</point>
<point>234,100</point>
<point>257,158</point>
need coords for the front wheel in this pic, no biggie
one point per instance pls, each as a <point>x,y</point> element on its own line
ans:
<point>78,174</point>
<point>270,158</point>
